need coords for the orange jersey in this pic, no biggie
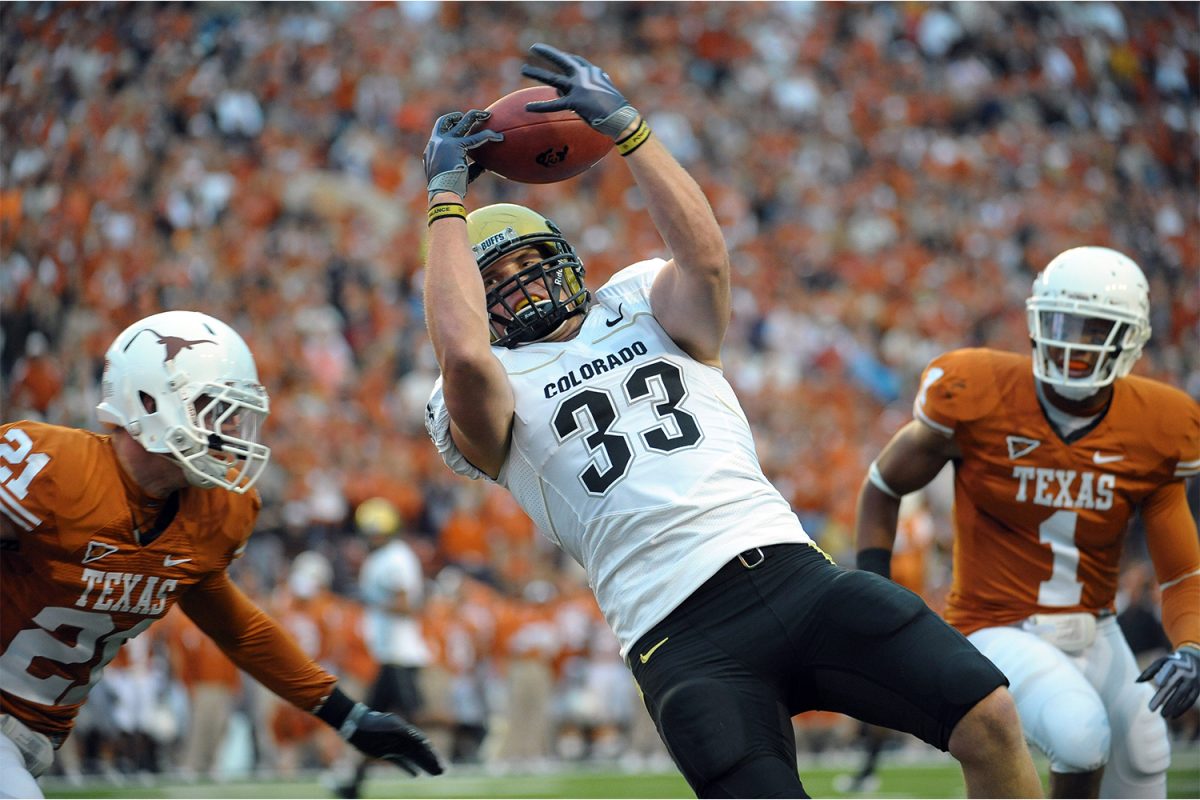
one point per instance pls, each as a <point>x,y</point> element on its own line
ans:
<point>77,585</point>
<point>1040,522</point>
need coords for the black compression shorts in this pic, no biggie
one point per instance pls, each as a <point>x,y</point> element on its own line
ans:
<point>762,641</point>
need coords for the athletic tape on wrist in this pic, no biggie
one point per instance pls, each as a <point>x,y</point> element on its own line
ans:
<point>634,140</point>
<point>350,725</point>
<point>443,210</point>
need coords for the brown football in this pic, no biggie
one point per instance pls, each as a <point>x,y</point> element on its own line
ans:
<point>538,148</point>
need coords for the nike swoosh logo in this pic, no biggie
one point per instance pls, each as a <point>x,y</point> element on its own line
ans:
<point>169,561</point>
<point>611,322</point>
<point>1100,458</point>
<point>646,655</point>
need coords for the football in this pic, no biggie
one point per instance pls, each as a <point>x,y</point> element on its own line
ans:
<point>538,148</point>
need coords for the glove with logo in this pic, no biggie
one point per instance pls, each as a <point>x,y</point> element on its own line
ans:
<point>1177,677</point>
<point>380,735</point>
<point>445,156</point>
<point>583,88</point>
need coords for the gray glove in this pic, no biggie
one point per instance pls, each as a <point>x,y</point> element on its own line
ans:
<point>583,88</point>
<point>446,154</point>
<point>379,734</point>
<point>1177,677</point>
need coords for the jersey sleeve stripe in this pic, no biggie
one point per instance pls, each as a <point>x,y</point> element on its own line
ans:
<point>1185,469</point>
<point>1180,579</point>
<point>13,509</point>
<point>937,426</point>
<point>17,521</point>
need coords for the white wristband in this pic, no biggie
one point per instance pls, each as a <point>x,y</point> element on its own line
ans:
<point>879,483</point>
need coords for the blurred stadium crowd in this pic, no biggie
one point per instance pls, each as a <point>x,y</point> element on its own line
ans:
<point>889,177</point>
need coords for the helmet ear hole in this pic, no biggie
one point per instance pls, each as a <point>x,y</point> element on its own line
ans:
<point>148,402</point>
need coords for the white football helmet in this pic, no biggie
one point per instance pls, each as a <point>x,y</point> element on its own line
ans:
<point>184,384</point>
<point>1089,318</point>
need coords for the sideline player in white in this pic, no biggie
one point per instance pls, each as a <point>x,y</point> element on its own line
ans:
<point>1053,454</point>
<point>392,586</point>
<point>610,421</point>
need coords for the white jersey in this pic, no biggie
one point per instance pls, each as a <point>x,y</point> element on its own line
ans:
<point>393,638</point>
<point>632,457</point>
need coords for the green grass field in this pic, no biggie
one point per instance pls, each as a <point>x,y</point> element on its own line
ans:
<point>917,780</point>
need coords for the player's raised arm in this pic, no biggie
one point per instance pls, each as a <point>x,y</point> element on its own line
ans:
<point>913,458</point>
<point>691,295</point>
<point>477,392</point>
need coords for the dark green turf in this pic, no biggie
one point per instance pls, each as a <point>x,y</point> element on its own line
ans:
<point>931,780</point>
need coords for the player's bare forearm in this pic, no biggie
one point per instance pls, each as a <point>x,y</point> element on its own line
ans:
<point>680,211</point>
<point>876,519</point>
<point>691,296</point>
<point>476,388</point>
<point>454,297</point>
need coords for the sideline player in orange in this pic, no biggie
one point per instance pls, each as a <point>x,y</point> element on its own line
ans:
<point>1053,454</point>
<point>103,534</point>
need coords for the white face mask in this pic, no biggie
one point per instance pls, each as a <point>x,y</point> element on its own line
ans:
<point>1074,391</point>
<point>1088,317</point>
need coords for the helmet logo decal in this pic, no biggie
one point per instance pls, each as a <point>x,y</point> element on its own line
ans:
<point>174,344</point>
<point>493,240</point>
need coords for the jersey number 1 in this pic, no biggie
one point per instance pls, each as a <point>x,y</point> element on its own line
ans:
<point>1063,587</point>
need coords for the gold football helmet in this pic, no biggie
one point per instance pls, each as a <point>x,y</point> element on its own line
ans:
<point>532,303</point>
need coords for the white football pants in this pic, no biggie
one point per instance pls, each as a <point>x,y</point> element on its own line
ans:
<point>1085,710</point>
<point>15,779</point>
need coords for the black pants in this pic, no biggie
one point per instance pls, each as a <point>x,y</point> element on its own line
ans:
<point>784,632</point>
<point>395,689</point>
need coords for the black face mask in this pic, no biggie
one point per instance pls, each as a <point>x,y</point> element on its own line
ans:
<point>559,277</point>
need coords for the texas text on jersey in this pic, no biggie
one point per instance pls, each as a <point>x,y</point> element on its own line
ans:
<point>1043,526</point>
